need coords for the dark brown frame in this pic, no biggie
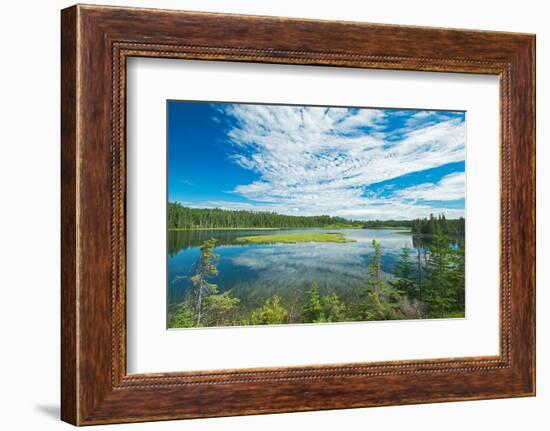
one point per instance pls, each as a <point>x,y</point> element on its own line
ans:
<point>95,43</point>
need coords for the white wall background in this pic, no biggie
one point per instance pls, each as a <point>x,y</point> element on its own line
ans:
<point>29,216</point>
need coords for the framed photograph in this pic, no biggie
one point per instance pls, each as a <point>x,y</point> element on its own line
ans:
<point>317,215</point>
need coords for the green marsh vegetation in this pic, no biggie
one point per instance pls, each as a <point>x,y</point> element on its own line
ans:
<point>294,238</point>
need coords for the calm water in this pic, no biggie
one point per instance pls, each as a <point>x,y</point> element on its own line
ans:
<point>255,272</point>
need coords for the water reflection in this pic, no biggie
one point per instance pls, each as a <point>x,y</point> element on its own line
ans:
<point>255,272</point>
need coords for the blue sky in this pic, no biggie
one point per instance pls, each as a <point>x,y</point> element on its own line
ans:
<point>358,163</point>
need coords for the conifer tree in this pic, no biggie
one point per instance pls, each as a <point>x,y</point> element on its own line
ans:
<point>458,276</point>
<point>206,269</point>
<point>374,270</point>
<point>380,301</point>
<point>405,283</point>
<point>272,312</point>
<point>220,309</point>
<point>313,309</point>
<point>440,298</point>
<point>184,317</point>
<point>334,309</point>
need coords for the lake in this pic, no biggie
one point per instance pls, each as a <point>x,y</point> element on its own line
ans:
<point>254,272</point>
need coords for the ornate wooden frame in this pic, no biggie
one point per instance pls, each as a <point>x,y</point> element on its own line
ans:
<point>95,43</point>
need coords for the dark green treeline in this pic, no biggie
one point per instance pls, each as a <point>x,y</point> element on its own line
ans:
<point>433,225</point>
<point>181,217</point>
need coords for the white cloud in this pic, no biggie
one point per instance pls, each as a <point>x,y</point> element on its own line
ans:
<point>423,118</point>
<point>450,187</point>
<point>314,160</point>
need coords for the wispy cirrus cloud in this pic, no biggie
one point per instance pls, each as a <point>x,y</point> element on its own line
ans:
<point>316,160</point>
<point>451,187</point>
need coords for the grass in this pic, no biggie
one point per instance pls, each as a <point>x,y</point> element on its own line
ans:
<point>294,238</point>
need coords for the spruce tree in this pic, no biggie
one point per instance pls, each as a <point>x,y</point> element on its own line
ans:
<point>380,301</point>
<point>313,309</point>
<point>206,269</point>
<point>220,309</point>
<point>272,312</point>
<point>405,283</point>
<point>333,308</point>
<point>440,298</point>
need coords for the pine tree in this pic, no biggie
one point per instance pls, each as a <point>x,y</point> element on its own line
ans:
<point>206,269</point>
<point>220,309</point>
<point>272,312</point>
<point>184,317</point>
<point>419,272</point>
<point>313,309</point>
<point>374,270</point>
<point>333,308</point>
<point>439,269</point>
<point>457,259</point>
<point>405,283</point>
<point>380,301</point>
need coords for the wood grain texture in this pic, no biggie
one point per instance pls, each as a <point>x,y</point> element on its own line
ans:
<point>96,41</point>
<point>69,366</point>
